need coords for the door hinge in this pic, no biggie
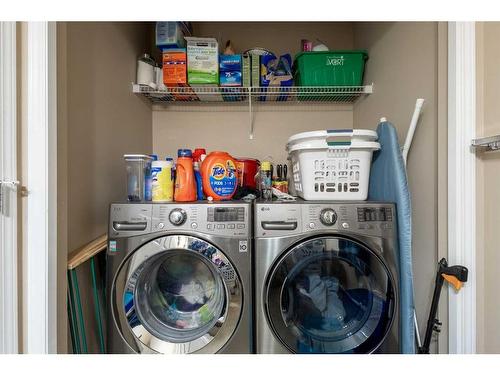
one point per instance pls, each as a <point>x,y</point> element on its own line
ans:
<point>4,184</point>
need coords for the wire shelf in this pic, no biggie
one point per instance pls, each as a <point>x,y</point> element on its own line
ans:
<point>292,94</point>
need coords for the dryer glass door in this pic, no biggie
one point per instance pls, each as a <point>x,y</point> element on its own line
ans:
<point>176,295</point>
<point>330,295</point>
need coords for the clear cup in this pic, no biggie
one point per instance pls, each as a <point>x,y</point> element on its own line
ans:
<point>138,171</point>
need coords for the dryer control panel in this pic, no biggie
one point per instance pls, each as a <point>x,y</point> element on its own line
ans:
<point>222,218</point>
<point>280,219</point>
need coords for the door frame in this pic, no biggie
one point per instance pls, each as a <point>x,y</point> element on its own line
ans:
<point>41,223</point>
<point>462,182</point>
<point>9,340</point>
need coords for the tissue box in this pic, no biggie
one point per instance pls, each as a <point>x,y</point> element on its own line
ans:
<point>230,79</point>
<point>229,63</point>
<point>202,61</point>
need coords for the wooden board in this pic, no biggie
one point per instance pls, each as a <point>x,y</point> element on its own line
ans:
<point>87,251</point>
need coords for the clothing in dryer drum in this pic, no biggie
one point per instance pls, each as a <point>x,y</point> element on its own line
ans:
<point>330,295</point>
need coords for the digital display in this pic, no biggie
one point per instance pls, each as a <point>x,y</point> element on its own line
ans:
<point>223,214</point>
<point>374,214</point>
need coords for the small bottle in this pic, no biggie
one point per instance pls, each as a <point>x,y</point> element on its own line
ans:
<point>265,182</point>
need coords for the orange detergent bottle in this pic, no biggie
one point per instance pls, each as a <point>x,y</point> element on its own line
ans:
<point>185,183</point>
<point>219,175</point>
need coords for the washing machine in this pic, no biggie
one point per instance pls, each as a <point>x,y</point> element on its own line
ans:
<point>179,278</point>
<point>326,277</point>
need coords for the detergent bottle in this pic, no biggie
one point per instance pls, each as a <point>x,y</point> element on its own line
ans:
<point>185,183</point>
<point>219,175</point>
<point>197,159</point>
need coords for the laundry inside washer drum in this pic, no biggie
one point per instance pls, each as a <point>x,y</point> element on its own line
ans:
<point>179,296</point>
<point>327,300</point>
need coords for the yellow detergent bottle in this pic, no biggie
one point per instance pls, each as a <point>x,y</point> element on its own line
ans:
<point>163,182</point>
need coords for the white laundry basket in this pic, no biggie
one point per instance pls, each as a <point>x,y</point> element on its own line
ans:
<point>332,164</point>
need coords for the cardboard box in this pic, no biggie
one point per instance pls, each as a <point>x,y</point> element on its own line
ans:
<point>174,67</point>
<point>202,61</point>
<point>255,71</point>
<point>246,70</point>
<point>230,79</point>
<point>229,63</point>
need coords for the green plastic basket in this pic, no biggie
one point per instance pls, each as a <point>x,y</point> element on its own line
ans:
<point>330,68</point>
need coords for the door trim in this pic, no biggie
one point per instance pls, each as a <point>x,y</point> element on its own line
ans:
<point>462,181</point>
<point>41,226</point>
<point>9,341</point>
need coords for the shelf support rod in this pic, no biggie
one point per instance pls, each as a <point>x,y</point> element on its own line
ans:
<point>250,112</point>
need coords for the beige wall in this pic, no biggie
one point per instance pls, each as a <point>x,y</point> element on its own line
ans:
<point>404,66</point>
<point>488,187</point>
<point>225,127</point>
<point>99,120</point>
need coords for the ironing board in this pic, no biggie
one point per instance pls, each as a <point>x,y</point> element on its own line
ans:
<point>388,182</point>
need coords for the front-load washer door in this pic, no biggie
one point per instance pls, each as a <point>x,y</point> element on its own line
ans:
<point>177,294</point>
<point>330,295</point>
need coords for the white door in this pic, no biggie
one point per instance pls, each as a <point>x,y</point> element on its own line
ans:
<point>8,190</point>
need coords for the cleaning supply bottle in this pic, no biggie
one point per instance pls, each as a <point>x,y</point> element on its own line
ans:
<point>265,181</point>
<point>219,175</point>
<point>197,159</point>
<point>163,183</point>
<point>185,183</point>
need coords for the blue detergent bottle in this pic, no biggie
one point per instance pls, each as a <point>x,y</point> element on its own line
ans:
<point>199,181</point>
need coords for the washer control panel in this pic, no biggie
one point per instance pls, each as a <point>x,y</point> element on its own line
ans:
<point>217,218</point>
<point>222,219</point>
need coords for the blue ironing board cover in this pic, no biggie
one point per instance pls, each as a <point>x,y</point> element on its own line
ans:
<point>388,182</point>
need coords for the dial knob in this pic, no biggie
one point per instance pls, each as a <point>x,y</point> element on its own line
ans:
<point>328,216</point>
<point>177,216</point>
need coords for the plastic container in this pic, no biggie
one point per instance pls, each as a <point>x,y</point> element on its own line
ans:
<point>138,170</point>
<point>185,183</point>
<point>247,172</point>
<point>171,34</point>
<point>265,181</point>
<point>330,68</point>
<point>332,164</point>
<point>219,175</point>
<point>162,181</point>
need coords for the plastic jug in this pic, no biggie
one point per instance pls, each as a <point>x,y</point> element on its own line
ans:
<point>219,175</point>
<point>185,183</point>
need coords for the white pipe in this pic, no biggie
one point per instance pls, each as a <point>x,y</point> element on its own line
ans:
<point>413,125</point>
